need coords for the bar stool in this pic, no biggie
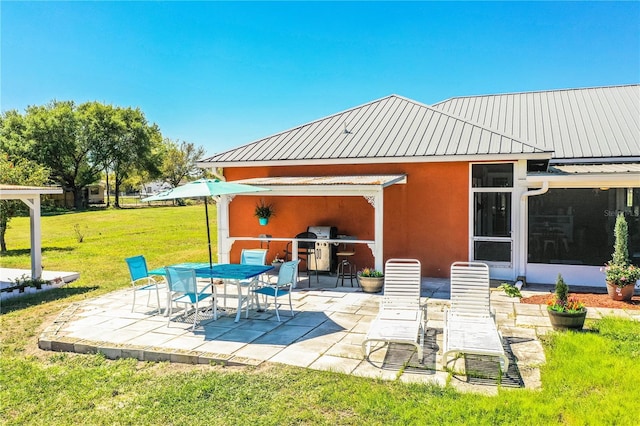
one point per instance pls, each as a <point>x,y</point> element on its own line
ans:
<point>346,268</point>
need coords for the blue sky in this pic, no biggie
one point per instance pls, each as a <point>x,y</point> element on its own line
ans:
<point>224,74</point>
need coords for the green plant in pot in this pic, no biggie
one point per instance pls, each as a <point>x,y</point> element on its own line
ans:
<point>371,280</point>
<point>277,263</point>
<point>620,274</point>
<point>263,212</point>
<point>565,313</point>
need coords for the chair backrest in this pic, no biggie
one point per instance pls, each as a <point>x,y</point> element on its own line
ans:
<point>137,267</point>
<point>402,282</point>
<point>287,272</point>
<point>182,280</point>
<point>253,256</point>
<point>307,245</point>
<point>470,289</point>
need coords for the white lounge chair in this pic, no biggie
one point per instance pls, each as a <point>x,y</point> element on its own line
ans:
<point>401,316</point>
<point>469,325</point>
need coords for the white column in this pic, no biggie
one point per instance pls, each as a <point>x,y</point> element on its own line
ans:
<point>224,244</point>
<point>36,236</point>
<point>521,236</point>
<point>378,221</point>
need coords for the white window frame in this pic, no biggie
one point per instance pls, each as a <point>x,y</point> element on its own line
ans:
<point>511,239</point>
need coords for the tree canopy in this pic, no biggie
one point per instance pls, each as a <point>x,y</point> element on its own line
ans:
<point>179,161</point>
<point>79,143</point>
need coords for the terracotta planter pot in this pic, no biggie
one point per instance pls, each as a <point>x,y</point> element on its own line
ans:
<point>620,293</point>
<point>371,284</point>
<point>566,320</point>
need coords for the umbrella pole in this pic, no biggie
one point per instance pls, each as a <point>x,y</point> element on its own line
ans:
<point>206,213</point>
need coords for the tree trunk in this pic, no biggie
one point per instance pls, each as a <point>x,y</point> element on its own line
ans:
<point>116,203</point>
<point>77,197</point>
<point>107,189</point>
<point>3,230</point>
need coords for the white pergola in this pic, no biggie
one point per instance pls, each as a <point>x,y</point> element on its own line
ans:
<point>371,187</point>
<point>30,195</point>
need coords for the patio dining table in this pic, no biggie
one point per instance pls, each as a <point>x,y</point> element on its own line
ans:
<point>229,273</point>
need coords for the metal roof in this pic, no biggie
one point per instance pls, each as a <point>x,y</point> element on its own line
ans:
<point>389,128</point>
<point>600,122</point>
<point>373,180</point>
<point>597,168</point>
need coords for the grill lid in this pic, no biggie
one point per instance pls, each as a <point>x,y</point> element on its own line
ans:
<point>322,232</point>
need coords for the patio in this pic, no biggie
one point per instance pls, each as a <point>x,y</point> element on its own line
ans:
<point>325,334</point>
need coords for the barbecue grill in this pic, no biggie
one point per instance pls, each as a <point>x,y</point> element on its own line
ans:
<point>325,252</point>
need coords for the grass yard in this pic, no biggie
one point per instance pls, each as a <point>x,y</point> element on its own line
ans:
<point>590,377</point>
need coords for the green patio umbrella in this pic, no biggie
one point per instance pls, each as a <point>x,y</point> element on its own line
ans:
<point>204,188</point>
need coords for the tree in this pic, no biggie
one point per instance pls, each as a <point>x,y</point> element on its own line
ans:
<point>78,143</point>
<point>18,172</point>
<point>57,134</point>
<point>101,125</point>
<point>179,161</point>
<point>12,140</point>
<point>133,147</point>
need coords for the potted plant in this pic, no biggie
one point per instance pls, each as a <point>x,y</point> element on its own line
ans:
<point>620,274</point>
<point>371,280</point>
<point>277,263</point>
<point>263,212</point>
<point>565,312</point>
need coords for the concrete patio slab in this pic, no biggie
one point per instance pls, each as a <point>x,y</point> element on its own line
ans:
<point>325,333</point>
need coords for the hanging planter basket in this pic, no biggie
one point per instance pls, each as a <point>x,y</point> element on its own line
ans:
<point>263,212</point>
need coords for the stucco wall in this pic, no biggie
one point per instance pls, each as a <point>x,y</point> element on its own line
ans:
<point>426,218</point>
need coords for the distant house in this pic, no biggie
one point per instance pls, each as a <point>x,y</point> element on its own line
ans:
<point>151,188</point>
<point>528,182</point>
<point>95,194</point>
<point>91,194</point>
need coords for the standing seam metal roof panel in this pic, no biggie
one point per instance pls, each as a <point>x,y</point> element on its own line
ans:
<point>391,127</point>
<point>403,138</point>
<point>575,123</point>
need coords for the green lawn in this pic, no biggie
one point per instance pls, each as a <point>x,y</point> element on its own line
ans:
<point>590,378</point>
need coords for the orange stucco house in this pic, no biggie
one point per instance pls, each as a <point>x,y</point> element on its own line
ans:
<point>528,182</point>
